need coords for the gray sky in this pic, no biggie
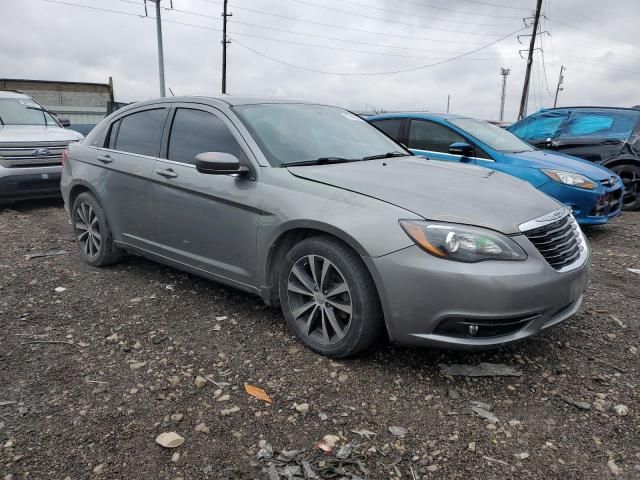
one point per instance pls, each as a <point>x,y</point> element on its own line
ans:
<point>597,42</point>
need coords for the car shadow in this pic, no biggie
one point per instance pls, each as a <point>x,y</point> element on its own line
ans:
<point>26,206</point>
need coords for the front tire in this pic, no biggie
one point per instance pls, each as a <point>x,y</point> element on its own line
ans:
<point>328,298</point>
<point>92,232</point>
<point>630,175</point>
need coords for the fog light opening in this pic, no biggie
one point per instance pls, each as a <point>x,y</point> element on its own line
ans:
<point>473,330</point>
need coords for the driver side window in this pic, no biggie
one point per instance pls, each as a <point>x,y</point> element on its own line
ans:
<point>424,135</point>
<point>196,131</point>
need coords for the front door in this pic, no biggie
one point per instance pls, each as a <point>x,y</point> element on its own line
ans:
<point>208,222</point>
<point>432,140</point>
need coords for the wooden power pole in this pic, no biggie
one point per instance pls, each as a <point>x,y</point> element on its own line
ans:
<point>532,46</point>
<point>559,87</point>
<point>225,42</point>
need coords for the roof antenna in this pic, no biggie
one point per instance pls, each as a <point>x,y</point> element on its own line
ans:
<point>146,14</point>
<point>171,92</point>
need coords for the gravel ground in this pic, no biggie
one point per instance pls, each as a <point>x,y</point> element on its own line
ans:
<point>131,339</point>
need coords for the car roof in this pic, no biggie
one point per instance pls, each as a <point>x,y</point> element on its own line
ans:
<point>418,115</point>
<point>12,94</point>
<point>586,107</point>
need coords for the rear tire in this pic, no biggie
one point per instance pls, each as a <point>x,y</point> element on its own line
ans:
<point>630,175</point>
<point>92,232</point>
<point>328,298</point>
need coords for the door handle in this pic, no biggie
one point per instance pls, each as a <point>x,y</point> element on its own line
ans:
<point>168,173</point>
<point>105,158</point>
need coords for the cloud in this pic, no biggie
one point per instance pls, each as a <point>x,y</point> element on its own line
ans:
<point>594,42</point>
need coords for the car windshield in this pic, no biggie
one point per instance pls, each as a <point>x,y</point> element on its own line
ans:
<point>22,111</point>
<point>495,137</point>
<point>289,133</point>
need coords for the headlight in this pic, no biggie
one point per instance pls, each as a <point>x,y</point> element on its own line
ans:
<point>462,243</point>
<point>568,178</point>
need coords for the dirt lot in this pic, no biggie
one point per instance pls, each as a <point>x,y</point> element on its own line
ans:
<point>132,338</point>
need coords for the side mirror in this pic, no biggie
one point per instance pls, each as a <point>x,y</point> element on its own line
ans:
<point>64,121</point>
<point>461,148</point>
<point>219,163</point>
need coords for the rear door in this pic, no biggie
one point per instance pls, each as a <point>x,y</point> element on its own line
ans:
<point>208,222</point>
<point>130,150</point>
<point>432,140</point>
<point>393,127</point>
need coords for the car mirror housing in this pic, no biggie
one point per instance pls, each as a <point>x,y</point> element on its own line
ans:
<point>219,163</point>
<point>64,121</point>
<point>461,148</point>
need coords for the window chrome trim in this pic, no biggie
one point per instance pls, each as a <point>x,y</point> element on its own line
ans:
<point>453,155</point>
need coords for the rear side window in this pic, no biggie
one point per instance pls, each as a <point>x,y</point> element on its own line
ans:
<point>425,135</point>
<point>196,131</point>
<point>140,132</point>
<point>390,126</point>
<point>601,124</point>
<point>541,126</point>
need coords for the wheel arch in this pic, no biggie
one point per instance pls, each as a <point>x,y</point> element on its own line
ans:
<point>287,236</point>
<point>612,162</point>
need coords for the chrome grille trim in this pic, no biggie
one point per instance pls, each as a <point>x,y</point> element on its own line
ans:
<point>559,240</point>
<point>30,144</point>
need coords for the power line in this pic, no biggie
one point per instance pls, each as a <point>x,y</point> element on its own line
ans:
<point>497,5</point>
<point>428,17</point>
<point>347,12</point>
<point>412,69</point>
<point>339,27</point>
<point>246,34</point>
<point>304,33</point>
<point>459,11</point>
<point>590,32</point>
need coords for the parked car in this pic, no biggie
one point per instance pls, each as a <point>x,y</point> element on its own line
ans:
<point>604,135</point>
<point>31,145</point>
<point>312,208</point>
<point>591,191</point>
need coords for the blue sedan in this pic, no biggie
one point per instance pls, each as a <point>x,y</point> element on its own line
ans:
<point>593,192</point>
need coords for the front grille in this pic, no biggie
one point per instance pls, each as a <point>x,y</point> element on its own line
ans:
<point>607,204</point>
<point>484,328</point>
<point>559,242</point>
<point>31,154</point>
<point>53,144</point>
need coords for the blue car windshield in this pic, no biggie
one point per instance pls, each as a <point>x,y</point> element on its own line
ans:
<point>494,137</point>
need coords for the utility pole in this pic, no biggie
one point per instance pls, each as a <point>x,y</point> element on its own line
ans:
<point>160,49</point>
<point>559,87</point>
<point>505,73</point>
<point>527,76</point>
<point>448,102</point>
<point>225,42</point>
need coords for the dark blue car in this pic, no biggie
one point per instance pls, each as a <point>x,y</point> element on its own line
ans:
<point>609,136</point>
<point>593,192</point>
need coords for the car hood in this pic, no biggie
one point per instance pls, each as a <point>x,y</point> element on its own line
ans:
<point>559,161</point>
<point>439,190</point>
<point>36,133</point>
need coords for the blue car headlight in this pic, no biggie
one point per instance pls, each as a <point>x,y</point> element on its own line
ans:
<point>570,178</point>
<point>462,243</point>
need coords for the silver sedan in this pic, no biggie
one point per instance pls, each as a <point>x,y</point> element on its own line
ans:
<point>319,212</point>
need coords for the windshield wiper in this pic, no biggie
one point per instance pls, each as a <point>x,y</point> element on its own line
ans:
<point>1,120</point>
<point>319,161</point>
<point>386,155</point>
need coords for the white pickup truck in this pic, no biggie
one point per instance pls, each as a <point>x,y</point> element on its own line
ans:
<point>31,144</point>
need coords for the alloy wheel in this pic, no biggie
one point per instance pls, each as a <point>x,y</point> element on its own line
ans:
<point>319,299</point>
<point>630,175</point>
<point>88,230</point>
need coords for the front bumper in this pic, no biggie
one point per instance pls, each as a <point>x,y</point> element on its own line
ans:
<point>589,207</point>
<point>423,296</point>
<point>29,183</point>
